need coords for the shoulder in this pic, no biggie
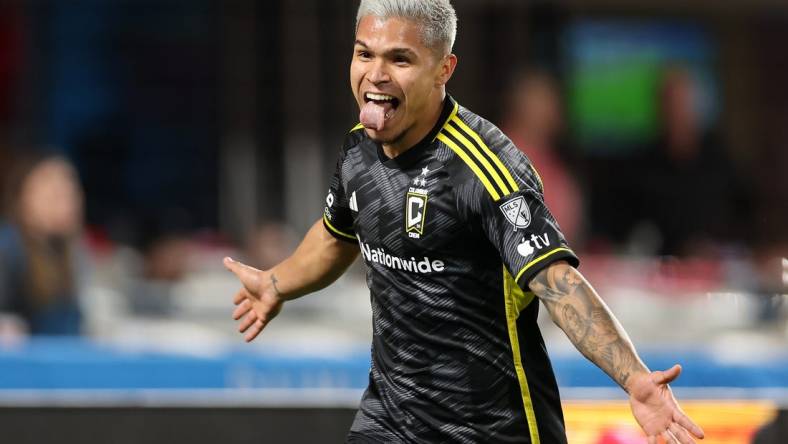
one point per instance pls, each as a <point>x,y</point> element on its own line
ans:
<point>352,146</point>
<point>495,164</point>
<point>350,159</point>
<point>354,138</point>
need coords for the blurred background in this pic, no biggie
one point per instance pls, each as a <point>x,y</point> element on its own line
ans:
<point>141,141</point>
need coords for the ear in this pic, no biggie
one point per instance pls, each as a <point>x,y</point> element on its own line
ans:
<point>446,69</point>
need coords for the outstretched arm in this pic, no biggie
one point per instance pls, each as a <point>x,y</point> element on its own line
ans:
<point>579,311</point>
<point>317,262</point>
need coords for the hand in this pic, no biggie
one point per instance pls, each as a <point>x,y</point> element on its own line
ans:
<point>657,411</point>
<point>258,301</point>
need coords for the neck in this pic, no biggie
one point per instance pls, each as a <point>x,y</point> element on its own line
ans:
<point>419,130</point>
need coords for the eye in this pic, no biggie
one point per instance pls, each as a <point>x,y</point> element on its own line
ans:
<point>363,54</point>
<point>401,60</point>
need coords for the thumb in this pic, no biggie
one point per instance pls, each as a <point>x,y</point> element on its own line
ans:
<point>667,376</point>
<point>249,276</point>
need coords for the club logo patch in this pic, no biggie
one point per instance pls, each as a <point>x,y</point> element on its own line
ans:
<point>415,211</point>
<point>517,212</point>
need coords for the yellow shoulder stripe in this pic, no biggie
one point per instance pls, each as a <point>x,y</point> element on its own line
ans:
<point>539,259</point>
<point>538,177</point>
<point>514,301</point>
<point>470,147</point>
<point>474,167</point>
<point>451,114</point>
<point>334,229</point>
<point>357,127</point>
<point>487,151</point>
<point>479,158</point>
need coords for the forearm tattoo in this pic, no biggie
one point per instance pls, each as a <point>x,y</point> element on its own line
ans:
<point>274,280</point>
<point>578,310</point>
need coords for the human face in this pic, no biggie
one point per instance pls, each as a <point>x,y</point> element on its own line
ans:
<point>397,80</point>
<point>51,200</point>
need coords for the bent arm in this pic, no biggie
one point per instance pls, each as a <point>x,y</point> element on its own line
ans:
<point>318,261</point>
<point>579,311</point>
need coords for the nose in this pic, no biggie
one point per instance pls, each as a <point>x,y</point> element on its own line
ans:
<point>378,73</point>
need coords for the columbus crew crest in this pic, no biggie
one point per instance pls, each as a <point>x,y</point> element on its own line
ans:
<point>416,209</point>
<point>517,212</point>
<point>416,205</point>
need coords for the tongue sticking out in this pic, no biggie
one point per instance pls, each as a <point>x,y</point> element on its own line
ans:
<point>373,115</point>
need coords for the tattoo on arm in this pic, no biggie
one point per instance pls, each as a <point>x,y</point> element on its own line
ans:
<point>274,280</point>
<point>579,311</point>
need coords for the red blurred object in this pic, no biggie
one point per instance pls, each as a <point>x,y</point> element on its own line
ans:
<point>621,435</point>
<point>10,56</point>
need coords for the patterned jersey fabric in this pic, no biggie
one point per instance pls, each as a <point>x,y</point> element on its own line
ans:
<point>451,232</point>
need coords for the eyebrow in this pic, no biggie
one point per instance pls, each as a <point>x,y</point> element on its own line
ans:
<point>392,51</point>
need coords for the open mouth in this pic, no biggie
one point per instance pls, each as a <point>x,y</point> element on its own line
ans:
<point>389,103</point>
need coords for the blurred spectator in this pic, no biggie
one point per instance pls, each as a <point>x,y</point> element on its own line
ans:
<point>38,243</point>
<point>535,123</point>
<point>270,243</point>
<point>167,250</point>
<point>166,258</point>
<point>688,189</point>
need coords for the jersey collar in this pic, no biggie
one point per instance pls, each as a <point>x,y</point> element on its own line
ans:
<point>412,155</point>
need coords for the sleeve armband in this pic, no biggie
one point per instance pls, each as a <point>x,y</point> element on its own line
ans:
<point>347,236</point>
<point>533,267</point>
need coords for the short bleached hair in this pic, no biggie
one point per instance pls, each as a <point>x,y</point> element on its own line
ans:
<point>437,19</point>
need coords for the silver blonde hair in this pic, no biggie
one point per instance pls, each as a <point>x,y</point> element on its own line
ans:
<point>437,19</point>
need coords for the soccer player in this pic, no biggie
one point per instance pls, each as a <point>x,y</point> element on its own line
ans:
<point>449,218</point>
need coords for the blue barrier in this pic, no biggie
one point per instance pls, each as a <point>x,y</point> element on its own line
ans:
<point>56,363</point>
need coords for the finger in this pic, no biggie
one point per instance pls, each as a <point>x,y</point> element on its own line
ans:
<point>684,421</point>
<point>247,322</point>
<point>667,376</point>
<point>669,438</point>
<point>249,276</point>
<point>242,309</point>
<point>680,434</point>
<point>652,440</point>
<point>240,296</point>
<point>254,331</point>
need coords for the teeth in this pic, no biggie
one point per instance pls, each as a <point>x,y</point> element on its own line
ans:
<point>373,96</point>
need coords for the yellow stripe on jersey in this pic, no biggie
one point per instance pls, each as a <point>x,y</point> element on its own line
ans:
<point>334,229</point>
<point>487,151</point>
<point>539,259</point>
<point>357,127</point>
<point>473,166</point>
<point>515,301</point>
<point>538,178</point>
<point>484,163</point>
<point>451,114</point>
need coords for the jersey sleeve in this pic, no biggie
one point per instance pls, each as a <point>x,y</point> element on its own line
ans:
<point>337,218</point>
<point>516,221</point>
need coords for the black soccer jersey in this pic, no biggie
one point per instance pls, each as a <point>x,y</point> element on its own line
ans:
<point>451,231</point>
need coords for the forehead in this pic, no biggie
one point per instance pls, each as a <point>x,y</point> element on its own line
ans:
<point>386,33</point>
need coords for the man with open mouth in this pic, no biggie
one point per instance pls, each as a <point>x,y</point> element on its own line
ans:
<point>449,219</point>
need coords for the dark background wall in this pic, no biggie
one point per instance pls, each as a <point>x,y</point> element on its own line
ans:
<point>175,425</point>
<point>162,103</point>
